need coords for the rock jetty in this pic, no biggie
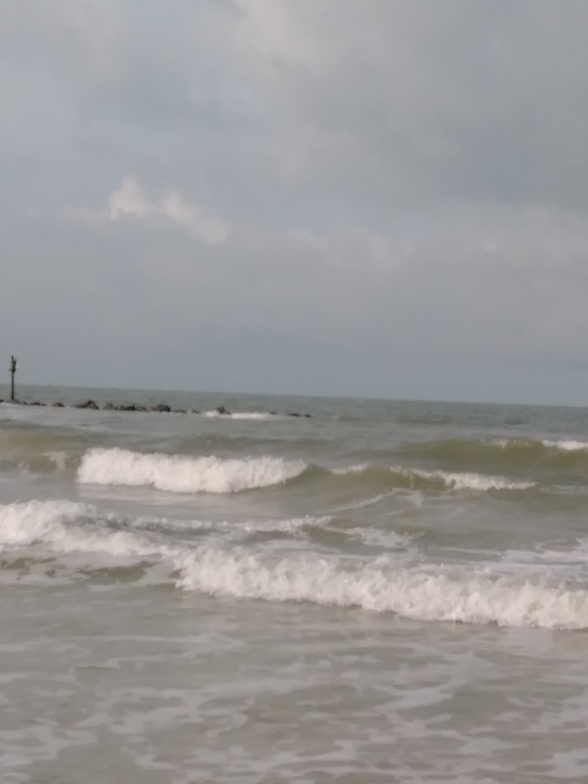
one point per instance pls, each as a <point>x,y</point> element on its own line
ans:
<point>159,408</point>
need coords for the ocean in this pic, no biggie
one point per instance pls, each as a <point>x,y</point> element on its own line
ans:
<point>377,592</point>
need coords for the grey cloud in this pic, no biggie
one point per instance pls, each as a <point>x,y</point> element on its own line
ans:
<point>402,319</point>
<point>415,101</point>
<point>403,184</point>
<point>423,101</point>
<point>393,104</point>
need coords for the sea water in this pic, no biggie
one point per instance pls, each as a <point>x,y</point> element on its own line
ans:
<point>380,592</point>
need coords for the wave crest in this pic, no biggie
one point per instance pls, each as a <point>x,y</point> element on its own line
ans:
<point>53,523</point>
<point>504,455</point>
<point>432,481</point>
<point>379,585</point>
<point>470,481</point>
<point>383,584</point>
<point>184,474</point>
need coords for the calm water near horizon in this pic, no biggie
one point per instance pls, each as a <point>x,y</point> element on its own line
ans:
<point>383,592</point>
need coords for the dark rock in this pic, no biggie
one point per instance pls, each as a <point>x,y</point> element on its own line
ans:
<point>294,414</point>
<point>307,416</point>
<point>140,408</point>
<point>178,411</point>
<point>194,411</point>
<point>57,404</point>
<point>36,403</point>
<point>88,404</point>
<point>162,407</point>
<point>221,410</point>
<point>130,407</point>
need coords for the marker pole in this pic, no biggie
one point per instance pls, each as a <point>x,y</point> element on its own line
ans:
<point>13,365</point>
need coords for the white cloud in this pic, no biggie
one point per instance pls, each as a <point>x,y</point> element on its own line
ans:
<point>201,222</point>
<point>130,201</point>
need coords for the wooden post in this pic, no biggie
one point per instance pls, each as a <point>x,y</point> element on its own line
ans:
<point>12,372</point>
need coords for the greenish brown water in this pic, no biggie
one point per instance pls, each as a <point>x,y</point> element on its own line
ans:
<point>385,591</point>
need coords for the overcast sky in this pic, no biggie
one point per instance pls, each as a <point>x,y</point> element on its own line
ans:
<point>383,198</point>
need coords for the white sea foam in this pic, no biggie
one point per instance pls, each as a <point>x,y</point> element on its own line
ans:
<point>27,523</point>
<point>470,481</point>
<point>564,445</point>
<point>381,538</point>
<point>259,415</point>
<point>282,526</point>
<point>231,527</point>
<point>451,480</point>
<point>52,523</point>
<point>380,585</point>
<point>353,469</point>
<point>567,445</point>
<point>552,559</point>
<point>183,474</point>
<point>68,527</point>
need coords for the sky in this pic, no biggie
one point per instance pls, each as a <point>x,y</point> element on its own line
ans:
<point>378,198</point>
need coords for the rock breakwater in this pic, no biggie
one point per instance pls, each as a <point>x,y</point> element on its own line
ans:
<point>159,408</point>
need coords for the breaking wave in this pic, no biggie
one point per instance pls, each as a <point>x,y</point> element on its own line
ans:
<point>505,455</point>
<point>431,481</point>
<point>183,474</point>
<point>470,481</point>
<point>382,584</point>
<point>60,524</point>
<point>567,445</point>
<point>379,585</point>
<point>67,526</point>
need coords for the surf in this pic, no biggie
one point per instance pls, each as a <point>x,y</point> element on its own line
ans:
<point>184,474</point>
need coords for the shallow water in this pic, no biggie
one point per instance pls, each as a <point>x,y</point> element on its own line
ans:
<point>381,592</point>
